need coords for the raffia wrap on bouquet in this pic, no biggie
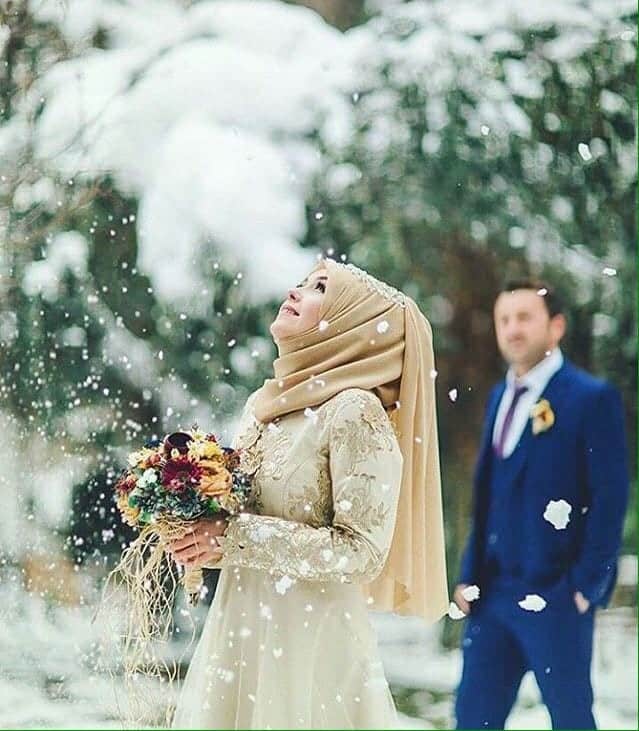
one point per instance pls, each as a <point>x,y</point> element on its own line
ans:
<point>168,486</point>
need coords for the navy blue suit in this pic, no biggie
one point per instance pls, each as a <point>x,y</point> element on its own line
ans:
<point>513,551</point>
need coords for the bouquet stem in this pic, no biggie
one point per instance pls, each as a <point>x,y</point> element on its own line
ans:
<point>192,582</point>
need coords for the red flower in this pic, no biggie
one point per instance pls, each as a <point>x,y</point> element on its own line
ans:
<point>125,484</point>
<point>180,473</point>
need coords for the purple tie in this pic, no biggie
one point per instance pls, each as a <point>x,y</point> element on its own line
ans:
<point>499,447</point>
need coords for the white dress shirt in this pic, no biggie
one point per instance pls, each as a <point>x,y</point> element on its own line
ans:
<point>536,380</point>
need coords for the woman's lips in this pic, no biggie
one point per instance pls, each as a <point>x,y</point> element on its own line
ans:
<point>287,309</point>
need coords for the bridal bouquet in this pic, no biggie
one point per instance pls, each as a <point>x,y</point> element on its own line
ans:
<point>169,484</point>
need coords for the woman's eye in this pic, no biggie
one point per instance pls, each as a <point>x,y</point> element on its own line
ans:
<point>321,286</point>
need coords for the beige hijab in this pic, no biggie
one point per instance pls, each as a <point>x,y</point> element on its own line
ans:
<point>374,337</point>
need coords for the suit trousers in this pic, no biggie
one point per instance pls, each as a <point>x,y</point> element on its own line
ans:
<point>502,641</point>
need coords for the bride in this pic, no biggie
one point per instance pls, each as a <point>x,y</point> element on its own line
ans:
<point>345,516</point>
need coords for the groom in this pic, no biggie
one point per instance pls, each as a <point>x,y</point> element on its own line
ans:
<point>550,493</point>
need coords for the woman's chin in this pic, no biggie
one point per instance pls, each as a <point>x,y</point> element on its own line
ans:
<point>278,330</point>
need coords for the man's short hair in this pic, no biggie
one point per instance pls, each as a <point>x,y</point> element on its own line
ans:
<point>551,298</point>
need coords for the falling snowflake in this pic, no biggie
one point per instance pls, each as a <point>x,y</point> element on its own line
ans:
<point>558,513</point>
<point>277,652</point>
<point>323,324</point>
<point>284,584</point>
<point>382,327</point>
<point>262,533</point>
<point>609,271</point>
<point>452,394</point>
<point>433,374</point>
<point>345,505</point>
<point>342,563</point>
<point>470,593</point>
<point>532,603</point>
<point>454,612</point>
<point>312,415</point>
<point>584,151</point>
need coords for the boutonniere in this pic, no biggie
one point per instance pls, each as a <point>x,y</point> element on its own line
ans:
<point>542,415</point>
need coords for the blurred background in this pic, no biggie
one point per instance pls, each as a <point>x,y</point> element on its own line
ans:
<point>169,167</point>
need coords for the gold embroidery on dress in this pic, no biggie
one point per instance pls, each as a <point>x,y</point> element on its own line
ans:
<point>285,547</point>
<point>363,514</point>
<point>371,431</point>
<point>254,443</point>
<point>313,501</point>
<point>344,541</point>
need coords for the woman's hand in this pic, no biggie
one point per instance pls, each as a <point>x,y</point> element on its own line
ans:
<point>199,546</point>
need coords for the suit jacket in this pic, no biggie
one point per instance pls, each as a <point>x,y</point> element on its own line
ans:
<point>582,459</point>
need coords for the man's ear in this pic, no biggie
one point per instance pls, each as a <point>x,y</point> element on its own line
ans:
<point>558,327</point>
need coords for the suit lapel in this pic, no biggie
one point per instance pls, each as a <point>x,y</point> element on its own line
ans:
<point>555,392</point>
<point>489,427</point>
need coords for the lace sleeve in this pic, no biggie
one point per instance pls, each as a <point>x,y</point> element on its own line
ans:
<point>365,466</point>
<point>245,419</point>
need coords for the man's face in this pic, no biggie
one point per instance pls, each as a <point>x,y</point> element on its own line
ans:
<point>525,331</point>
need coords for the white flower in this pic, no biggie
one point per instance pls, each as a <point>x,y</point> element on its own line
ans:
<point>558,513</point>
<point>532,603</point>
<point>150,475</point>
<point>470,593</point>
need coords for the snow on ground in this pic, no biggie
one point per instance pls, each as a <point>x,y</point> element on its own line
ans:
<point>49,677</point>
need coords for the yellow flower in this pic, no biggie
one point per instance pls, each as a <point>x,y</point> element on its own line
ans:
<point>135,458</point>
<point>129,514</point>
<point>205,450</point>
<point>216,482</point>
<point>543,417</point>
<point>198,435</point>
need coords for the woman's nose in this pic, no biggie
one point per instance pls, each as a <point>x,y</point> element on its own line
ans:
<point>294,294</point>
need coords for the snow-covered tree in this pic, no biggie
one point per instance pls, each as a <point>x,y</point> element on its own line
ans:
<point>170,168</point>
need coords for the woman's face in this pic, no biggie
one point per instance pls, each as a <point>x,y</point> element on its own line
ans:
<point>301,309</point>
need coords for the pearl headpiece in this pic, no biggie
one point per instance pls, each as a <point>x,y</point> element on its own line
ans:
<point>386,291</point>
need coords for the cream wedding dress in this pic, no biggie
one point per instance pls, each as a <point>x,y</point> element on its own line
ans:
<point>287,643</point>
